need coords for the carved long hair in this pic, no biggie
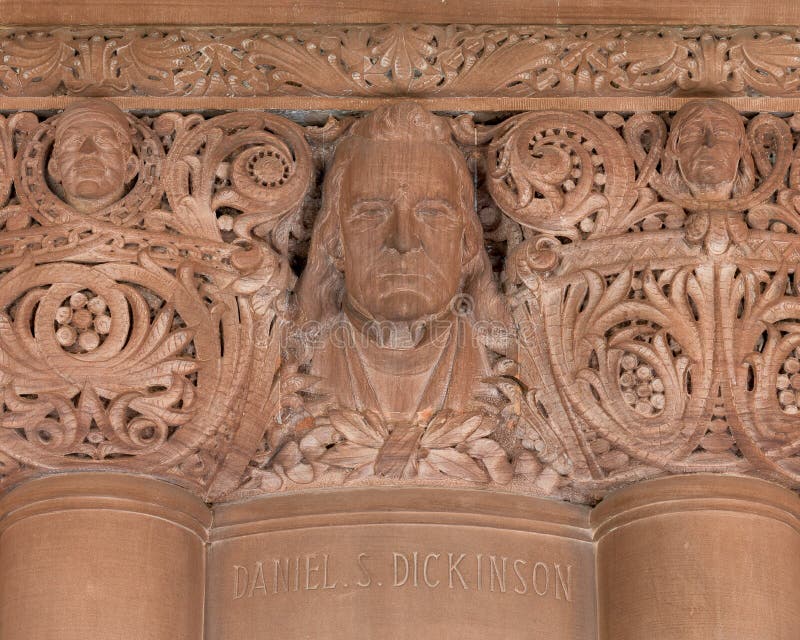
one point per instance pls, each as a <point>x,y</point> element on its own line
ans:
<point>321,287</point>
<point>745,174</point>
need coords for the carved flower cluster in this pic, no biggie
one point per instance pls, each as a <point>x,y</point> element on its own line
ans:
<point>642,389</point>
<point>657,323</point>
<point>83,322</point>
<point>788,383</point>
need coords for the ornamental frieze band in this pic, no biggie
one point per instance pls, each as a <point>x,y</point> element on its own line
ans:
<point>414,60</point>
<point>552,303</point>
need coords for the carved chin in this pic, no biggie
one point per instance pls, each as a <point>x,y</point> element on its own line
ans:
<point>720,189</point>
<point>90,190</point>
<point>705,179</point>
<point>407,304</point>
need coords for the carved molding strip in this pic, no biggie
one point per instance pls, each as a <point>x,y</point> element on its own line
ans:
<point>409,60</point>
<point>316,109</point>
<point>556,303</point>
<point>306,12</point>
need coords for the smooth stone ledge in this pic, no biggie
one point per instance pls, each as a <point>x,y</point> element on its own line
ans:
<point>462,507</point>
<point>105,491</point>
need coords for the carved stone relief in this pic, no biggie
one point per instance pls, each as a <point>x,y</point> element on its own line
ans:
<point>134,300</point>
<point>416,60</point>
<point>557,303</point>
<point>399,289</point>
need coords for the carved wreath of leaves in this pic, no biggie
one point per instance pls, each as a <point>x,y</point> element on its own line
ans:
<point>453,445</point>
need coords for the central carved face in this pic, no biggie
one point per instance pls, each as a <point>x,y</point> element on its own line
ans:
<point>402,226</point>
<point>91,158</point>
<point>708,148</point>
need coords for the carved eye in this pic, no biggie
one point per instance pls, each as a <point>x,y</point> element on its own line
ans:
<point>724,134</point>
<point>436,211</point>
<point>371,210</point>
<point>105,140</point>
<point>690,136</point>
<point>74,141</point>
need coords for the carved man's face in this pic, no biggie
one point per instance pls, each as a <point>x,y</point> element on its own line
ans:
<point>402,226</point>
<point>91,160</point>
<point>709,153</point>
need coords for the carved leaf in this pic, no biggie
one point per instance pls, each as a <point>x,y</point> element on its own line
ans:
<point>448,431</point>
<point>456,464</point>
<point>367,431</point>
<point>493,457</point>
<point>349,455</point>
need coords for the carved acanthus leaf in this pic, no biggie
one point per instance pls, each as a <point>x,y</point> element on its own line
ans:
<point>394,59</point>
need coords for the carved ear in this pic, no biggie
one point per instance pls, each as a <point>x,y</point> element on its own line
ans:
<point>337,255</point>
<point>468,247</point>
<point>53,169</point>
<point>131,167</point>
<point>338,258</point>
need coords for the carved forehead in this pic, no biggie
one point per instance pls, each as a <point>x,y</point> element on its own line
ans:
<point>405,121</point>
<point>423,169</point>
<point>402,130</point>
<point>93,114</point>
<point>699,113</point>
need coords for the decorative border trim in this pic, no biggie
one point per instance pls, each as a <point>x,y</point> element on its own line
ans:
<point>421,61</point>
<point>514,12</point>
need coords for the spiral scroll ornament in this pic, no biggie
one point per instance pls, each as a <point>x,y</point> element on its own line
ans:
<point>238,173</point>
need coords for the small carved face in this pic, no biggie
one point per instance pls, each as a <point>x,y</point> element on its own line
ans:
<point>91,160</point>
<point>402,226</point>
<point>708,150</point>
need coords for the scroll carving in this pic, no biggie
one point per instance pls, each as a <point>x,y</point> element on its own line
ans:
<point>555,303</point>
<point>141,259</point>
<point>416,60</point>
<point>644,338</point>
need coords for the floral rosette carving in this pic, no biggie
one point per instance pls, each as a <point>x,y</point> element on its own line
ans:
<point>648,262</point>
<point>143,333</point>
<point>636,344</point>
<point>660,310</point>
<point>240,179</point>
<point>114,364</point>
<point>560,174</point>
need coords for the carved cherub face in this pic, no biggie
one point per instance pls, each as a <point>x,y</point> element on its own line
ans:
<point>708,148</point>
<point>92,156</point>
<point>402,227</point>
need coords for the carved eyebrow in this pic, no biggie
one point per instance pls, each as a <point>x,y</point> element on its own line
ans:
<point>442,202</point>
<point>435,200</point>
<point>370,200</point>
<point>697,131</point>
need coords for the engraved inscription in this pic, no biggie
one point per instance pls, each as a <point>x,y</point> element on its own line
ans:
<point>405,569</point>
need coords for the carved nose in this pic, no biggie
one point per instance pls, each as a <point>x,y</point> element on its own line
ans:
<point>88,145</point>
<point>708,139</point>
<point>402,237</point>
